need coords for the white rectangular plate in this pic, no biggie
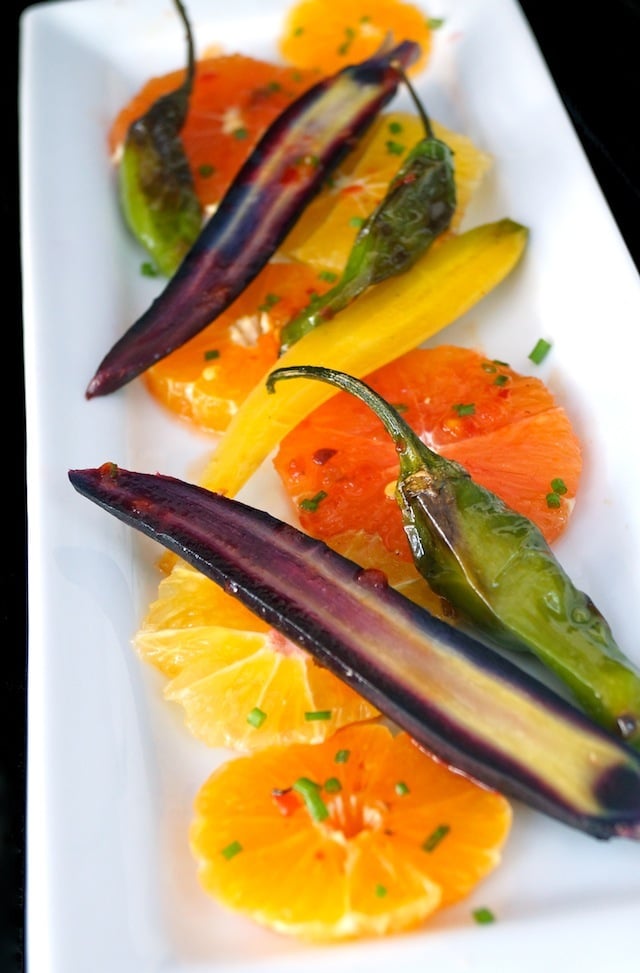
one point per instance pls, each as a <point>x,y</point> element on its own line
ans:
<point>111,887</point>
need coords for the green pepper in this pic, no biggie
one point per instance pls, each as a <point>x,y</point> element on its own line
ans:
<point>418,206</point>
<point>157,191</point>
<point>497,571</point>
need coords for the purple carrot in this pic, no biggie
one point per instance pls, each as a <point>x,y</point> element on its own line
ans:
<point>464,702</point>
<point>284,172</point>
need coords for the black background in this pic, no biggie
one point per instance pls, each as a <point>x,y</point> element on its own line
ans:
<point>594,59</point>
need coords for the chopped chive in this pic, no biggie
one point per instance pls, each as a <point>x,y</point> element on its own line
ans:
<point>357,222</point>
<point>240,133</point>
<point>436,836</point>
<point>256,717</point>
<point>328,275</point>
<point>231,850</point>
<point>147,269</point>
<point>205,170</point>
<point>211,354</point>
<point>501,380</point>
<point>349,33</point>
<point>274,86</point>
<point>394,148</point>
<point>312,503</point>
<point>332,785</point>
<point>269,301</point>
<point>381,891</point>
<point>342,756</point>
<point>434,23</point>
<point>310,792</point>
<point>558,485</point>
<point>317,714</point>
<point>483,916</point>
<point>553,500</point>
<point>401,788</point>
<point>400,407</point>
<point>395,127</point>
<point>464,408</point>
<point>298,32</point>
<point>497,361</point>
<point>488,366</point>
<point>540,351</point>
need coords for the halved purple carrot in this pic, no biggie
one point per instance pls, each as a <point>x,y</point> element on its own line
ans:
<point>284,172</point>
<point>464,702</point>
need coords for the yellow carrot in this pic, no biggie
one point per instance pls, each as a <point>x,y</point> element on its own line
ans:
<point>390,319</point>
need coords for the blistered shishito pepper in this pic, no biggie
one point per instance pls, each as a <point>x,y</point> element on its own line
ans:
<point>468,704</point>
<point>283,173</point>
<point>417,207</point>
<point>497,571</point>
<point>156,187</point>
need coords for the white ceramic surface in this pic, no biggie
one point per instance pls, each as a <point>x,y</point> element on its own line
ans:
<point>111,887</point>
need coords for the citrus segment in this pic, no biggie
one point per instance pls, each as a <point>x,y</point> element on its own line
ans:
<point>206,379</point>
<point>368,551</point>
<point>340,467</point>
<point>186,599</point>
<point>367,833</point>
<point>322,33</point>
<point>234,100</point>
<point>325,232</point>
<point>241,683</point>
<point>247,690</point>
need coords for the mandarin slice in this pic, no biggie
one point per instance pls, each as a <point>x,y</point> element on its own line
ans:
<point>242,685</point>
<point>339,466</point>
<point>206,379</point>
<point>324,234</point>
<point>329,35</point>
<point>367,833</point>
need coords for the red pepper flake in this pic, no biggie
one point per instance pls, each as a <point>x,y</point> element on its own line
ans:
<point>322,456</point>
<point>286,800</point>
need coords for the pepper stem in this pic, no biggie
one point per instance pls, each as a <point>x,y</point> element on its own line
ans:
<point>413,453</point>
<point>426,121</point>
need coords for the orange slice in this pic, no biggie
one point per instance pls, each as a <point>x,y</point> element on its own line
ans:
<point>340,467</point>
<point>207,379</point>
<point>242,685</point>
<point>329,35</point>
<point>402,837</point>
